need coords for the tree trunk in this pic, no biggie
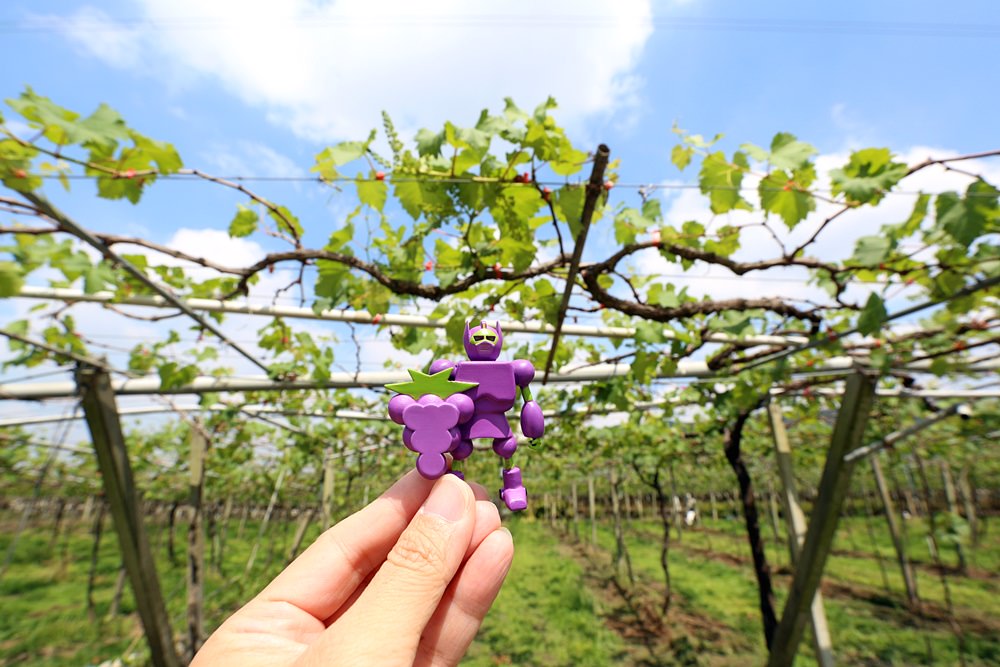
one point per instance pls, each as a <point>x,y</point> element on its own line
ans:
<point>733,438</point>
<point>665,520</point>
<point>300,533</point>
<point>171,528</point>
<point>675,504</point>
<point>621,550</point>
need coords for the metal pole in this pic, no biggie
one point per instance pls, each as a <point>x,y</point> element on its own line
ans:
<point>98,401</point>
<point>847,435</point>
<point>795,520</point>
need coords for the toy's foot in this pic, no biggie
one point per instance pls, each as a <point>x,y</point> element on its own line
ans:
<point>514,495</point>
<point>516,499</point>
<point>457,473</point>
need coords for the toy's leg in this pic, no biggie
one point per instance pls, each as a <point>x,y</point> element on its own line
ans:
<point>462,450</point>
<point>513,493</point>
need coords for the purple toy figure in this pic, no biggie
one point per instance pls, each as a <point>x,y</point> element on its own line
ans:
<point>444,411</point>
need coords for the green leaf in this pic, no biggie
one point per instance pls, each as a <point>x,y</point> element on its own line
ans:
<point>11,279</point>
<point>787,152</point>
<point>873,315</point>
<point>664,295</point>
<point>420,197</point>
<point>649,332</point>
<point>917,217</point>
<point>98,277</point>
<point>966,219</point>
<point>569,207</point>
<point>871,250</point>
<point>721,180</point>
<point>868,175</point>
<point>372,192</point>
<point>652,210</point>
<point>173,375</point>
<point>244,223</point>
<point>285,221</point>
<point>429,143</point>
<point>340,238</point>
<point>346,151</point>
<point>681,155</point>
<point>780,195</point>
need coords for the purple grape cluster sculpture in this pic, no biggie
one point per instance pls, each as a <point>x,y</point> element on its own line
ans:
<point>444,410</point>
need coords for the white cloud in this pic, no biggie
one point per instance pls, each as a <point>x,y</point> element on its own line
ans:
<point>94,33</point>
<point>836,243</point>
<point>326,70</point>
<point>251,157</point>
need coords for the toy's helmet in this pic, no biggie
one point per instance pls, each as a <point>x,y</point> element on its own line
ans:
<point>483,343</point>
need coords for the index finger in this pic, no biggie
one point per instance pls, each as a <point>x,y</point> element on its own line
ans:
<point>326,574</point>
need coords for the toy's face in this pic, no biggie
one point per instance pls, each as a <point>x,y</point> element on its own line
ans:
<point>483,343</point>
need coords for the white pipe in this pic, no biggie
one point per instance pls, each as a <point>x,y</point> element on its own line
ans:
<point>357,317</point>
<point>206,384</point>
<point>257,410</point>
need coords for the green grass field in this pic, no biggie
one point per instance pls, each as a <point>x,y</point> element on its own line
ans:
<point>559,606</point>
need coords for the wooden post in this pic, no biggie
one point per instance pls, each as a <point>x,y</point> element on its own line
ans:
<point>98,400</point>
<point>848,433</point>
<point>576,514</point>
<point>196,543</point>
<point>969,502</point>
<point>952,499</point>
<point>593,510</point>
<point>909,580</point>
<point>328,488</point>
<point>300,533</point>
<point>795,523</point>
<point>264,521</point>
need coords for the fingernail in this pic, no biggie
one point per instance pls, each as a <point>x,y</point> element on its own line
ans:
<point>447,499</point>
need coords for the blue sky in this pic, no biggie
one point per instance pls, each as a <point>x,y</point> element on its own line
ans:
<point>258,88</point>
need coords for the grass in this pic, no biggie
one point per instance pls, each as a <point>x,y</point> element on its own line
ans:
<point>556,608</point>
<point>869,625</point>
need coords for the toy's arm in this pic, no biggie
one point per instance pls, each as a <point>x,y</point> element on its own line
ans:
<point>441,364</point>
<point>532,420</point>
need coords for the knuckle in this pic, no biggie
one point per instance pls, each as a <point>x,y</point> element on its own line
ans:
<point>419,551</point>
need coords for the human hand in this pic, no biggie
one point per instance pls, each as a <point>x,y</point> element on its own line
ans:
<point>407,580</point>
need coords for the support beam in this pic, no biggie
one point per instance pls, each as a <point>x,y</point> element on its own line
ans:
<point>98,401</point>
<point>847,435</point>
<point>795,521</point>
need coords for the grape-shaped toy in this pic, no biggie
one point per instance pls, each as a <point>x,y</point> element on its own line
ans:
<point>445,410</point>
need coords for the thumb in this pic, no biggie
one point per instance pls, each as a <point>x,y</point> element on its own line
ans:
<point>384,625</point>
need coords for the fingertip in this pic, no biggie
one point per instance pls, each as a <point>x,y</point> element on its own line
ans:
<point>450,499</point>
